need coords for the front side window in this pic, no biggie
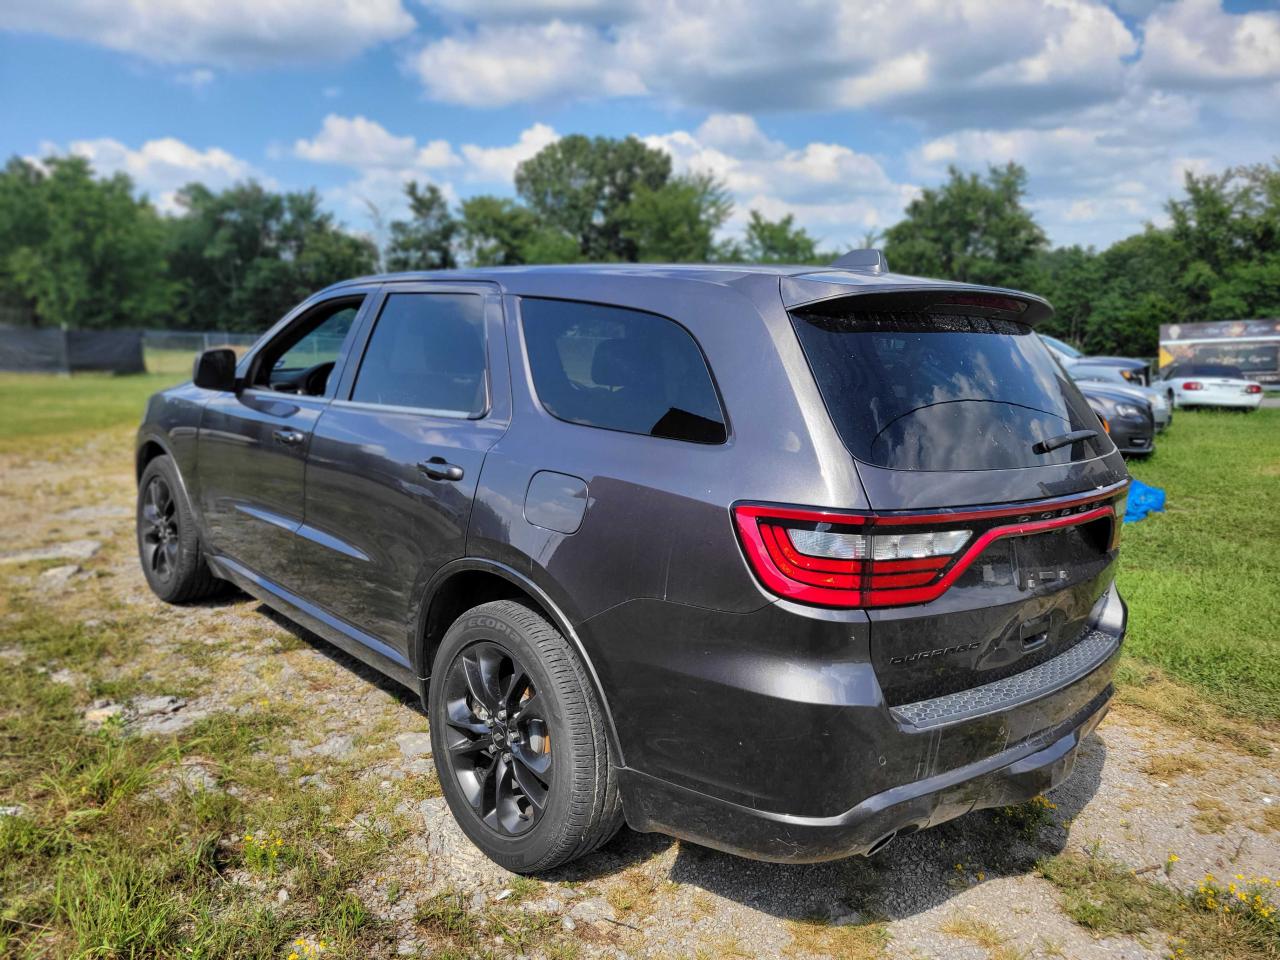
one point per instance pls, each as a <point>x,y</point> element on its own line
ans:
<point>621,370</point>
<point>427,351</point>
<point>301,360</point>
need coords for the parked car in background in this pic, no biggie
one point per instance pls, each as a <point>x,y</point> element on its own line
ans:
<point>1127,418</point>
<point>1131,370</point>
<point>1211,385</point>
<point>1159,396</point>
<point>786,561</point>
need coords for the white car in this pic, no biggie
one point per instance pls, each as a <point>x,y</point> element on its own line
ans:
<point>1211,385</point>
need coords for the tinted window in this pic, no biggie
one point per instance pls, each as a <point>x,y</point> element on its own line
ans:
<point>1084,371</point>
<point>1210,370</point>
<point>426,351</point>
<point>1066,349</point>
<point>621,370</point>
<point>942,392</point>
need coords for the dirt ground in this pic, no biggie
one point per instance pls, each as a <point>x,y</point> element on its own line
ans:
<point>1142,791</point>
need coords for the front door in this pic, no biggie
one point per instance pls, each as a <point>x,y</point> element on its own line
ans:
<point>252,445</point>
<point>393,462</point>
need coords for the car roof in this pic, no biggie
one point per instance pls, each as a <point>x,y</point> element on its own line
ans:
<point>801,282</point>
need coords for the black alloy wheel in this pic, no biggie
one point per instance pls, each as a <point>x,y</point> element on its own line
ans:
<point>158,534</point>
<point>498,738</point>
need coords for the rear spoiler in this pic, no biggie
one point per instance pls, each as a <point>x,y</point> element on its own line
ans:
<point>894,292</point>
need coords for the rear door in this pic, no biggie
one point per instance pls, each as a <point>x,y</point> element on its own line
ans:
<point>962,427</point>
<point>252,444</point>
<point>393,463</point>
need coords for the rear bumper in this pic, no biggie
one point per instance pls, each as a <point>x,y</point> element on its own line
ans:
<point>1233,401</point>
<point>789,770</point>
<point>1009,777</point>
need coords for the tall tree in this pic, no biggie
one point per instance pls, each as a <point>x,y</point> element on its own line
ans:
<point>81,251</point>
<point>497,231</point>
<point>425,241</point>
<point>778,241</point>
<point>244,256</point>
<point>581,186</point>
<point>971,228</point>
<point>678,221</point>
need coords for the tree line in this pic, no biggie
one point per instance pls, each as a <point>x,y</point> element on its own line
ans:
<point>85,251</point>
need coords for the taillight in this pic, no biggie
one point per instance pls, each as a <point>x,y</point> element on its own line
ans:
<point>837,559</point>
<point>1193,385</point>
<point>1253,388</point>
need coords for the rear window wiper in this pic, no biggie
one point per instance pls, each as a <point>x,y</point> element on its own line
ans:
<point>1053,443</point>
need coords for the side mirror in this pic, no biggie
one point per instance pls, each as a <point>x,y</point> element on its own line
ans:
<point>216,370</point>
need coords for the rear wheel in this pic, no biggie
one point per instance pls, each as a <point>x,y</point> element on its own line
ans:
<point>168,544</point>
<point>519,740</point>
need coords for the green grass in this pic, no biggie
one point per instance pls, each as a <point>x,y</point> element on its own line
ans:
<point>1108,899</point>
<point>42,408</point>
<point>1201,579</point>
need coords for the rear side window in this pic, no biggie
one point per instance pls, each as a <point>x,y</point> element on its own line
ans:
<point>1210,370</point>
<point>426,352</point>
<point>621,370</point>
<point>915,391</point>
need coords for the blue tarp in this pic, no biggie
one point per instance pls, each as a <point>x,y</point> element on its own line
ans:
<point>1143,499</point>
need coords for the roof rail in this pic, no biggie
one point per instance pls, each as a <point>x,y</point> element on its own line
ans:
<point>865,261</point>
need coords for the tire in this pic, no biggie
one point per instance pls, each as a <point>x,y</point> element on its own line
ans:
<point>551,729</point>
<point>168,543</point>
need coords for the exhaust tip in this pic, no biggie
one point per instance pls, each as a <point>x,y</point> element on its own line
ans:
<point>881,843</point>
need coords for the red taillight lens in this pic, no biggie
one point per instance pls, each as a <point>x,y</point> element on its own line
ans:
<point>1193,385</point>
<point>836,559</point>
<point>1253,388</point>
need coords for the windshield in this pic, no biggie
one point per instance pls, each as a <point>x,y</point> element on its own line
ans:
<point>913,391</point>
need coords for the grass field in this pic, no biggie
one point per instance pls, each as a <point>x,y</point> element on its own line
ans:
<point>1201,579</point>
<point>114,853</point>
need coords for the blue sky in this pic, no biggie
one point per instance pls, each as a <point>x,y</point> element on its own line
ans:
<point>836,112</point>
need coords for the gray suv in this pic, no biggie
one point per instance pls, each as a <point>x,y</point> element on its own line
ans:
<point>787,561</point>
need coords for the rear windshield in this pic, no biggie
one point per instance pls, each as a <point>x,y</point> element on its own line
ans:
<point>932,391</point>
<point>1210,370</point>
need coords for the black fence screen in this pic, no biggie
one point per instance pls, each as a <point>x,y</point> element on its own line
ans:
<point>71,351</point>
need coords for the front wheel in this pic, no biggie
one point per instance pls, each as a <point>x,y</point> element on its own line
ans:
<point>519,740</point>
<point>168,544</point>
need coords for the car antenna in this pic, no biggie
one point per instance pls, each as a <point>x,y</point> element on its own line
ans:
<point>869,260</point>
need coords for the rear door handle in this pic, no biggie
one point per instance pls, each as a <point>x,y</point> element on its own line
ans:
<point>437,468</point>
<point>290,438</point>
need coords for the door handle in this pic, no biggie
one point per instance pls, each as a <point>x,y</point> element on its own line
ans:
<point>437,468</point>
<point>290,438</point>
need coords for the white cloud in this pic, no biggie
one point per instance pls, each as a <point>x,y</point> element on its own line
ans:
<point>1195,42</point>
<point>219,32</point>
<point>495,65</point>
<point>834,191</point>
<point>498,164</point>
<point>161,167</point>
<point>363,143</point>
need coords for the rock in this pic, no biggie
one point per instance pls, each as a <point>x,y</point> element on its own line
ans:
<point>451,853</point>
<point>191,777</point>
<point>58,577</point>
<point>162,715</point>
<point>13,655</point>
<point>316,780</point>
<point>406,948</point>
<point>282,896</point>
<point>335,747</point>
<point>100,712</point>
<point>419,768</point>
<point>568,924</point>
<point>67,678</point>
<point>592,910</point>
<point>13,811</point>
<point>72,550</point>
<point>414,745</point>
<point>478,900</point>
<point>545,905</point>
